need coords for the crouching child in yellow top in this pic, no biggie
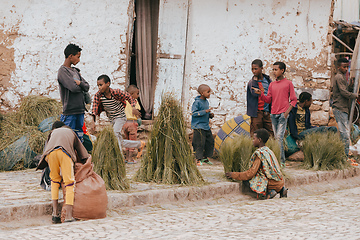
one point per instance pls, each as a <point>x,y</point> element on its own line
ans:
<point>131,126</point>
<point>62,149</point>
<point>264,174</point>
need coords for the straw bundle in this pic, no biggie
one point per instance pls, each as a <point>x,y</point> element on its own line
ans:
<point>274,145</point>
<point>235,153</point>
<point>24,123</point>
<point>109,161</point>
<point>324,151</point>
<point>34,109</point>
<point>169,158</point>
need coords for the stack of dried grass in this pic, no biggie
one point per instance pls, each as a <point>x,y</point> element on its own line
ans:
<point>24,122</point>
<point>235,153</point>
<point>109,161</point>
<point>324,151</point>
<point>169,158</point>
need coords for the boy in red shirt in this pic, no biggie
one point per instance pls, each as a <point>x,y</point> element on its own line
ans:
<point>281,95</point>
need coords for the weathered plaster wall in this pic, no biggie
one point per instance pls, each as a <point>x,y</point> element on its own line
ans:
<point>33,35</point>
<point>225,36</point>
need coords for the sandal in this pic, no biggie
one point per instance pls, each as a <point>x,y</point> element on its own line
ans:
<point>271,194</point>
<point>205,160</point>
<point>56,219</point>
<point>283,192</point>
<point>69,220</point>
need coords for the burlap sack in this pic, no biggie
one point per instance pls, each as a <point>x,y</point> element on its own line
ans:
<point>90,201</point>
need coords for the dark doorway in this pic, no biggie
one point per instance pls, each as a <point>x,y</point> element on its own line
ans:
<point>143,53</point>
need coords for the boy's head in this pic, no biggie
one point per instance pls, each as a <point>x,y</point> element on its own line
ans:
<point>134,91</point>
<point>261,136</point>
<point>73,53</point>
<point>342,65</point>
<point>204,90</point>
<point>279,68</point>
<point>57,124</point>
<point>305,99</point>
<point>103,83</point>
<point>257,67</point>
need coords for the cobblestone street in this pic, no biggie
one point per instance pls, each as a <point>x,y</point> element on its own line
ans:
<point>332,215</point>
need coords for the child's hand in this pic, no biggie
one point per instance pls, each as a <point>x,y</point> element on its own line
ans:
<point>211,115</point>
<point>256,90</point>
<point>77,82</point>
<point>228,175</point>
<point>136,113</point>
<point>208,110</point>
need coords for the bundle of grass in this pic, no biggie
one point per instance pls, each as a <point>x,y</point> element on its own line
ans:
<point>235,153</point>
<point>274,145</point>
<point>324,151</point>
<point>109,161</point>
<point>37,141</point>
<point>169,158</point>
<point>35,109</point>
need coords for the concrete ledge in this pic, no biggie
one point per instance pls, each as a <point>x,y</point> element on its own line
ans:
<point>118,200</point>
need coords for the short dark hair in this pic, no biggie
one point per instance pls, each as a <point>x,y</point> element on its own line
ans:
<point>104,77</point>
<point>304,96</point>
<point>131,88</point>
<point>263,134</point>
<point>71,49</point>
<point>341,60</point>
<point>57,124</point>
<point>281,65</point>
<point>257,62</point>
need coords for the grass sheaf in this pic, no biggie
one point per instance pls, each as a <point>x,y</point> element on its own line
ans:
<point>24,121</point>
<point>235,153</point>
<point>109,161</point>
<point>324,151</point>
<point>169,158</point>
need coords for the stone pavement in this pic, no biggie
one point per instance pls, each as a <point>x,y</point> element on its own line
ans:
<point>331,215</point>
<point>21,196</point>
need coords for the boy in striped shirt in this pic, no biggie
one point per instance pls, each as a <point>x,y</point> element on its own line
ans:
<point>113,102</point>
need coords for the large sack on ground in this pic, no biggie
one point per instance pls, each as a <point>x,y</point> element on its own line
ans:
<point>90,201</point>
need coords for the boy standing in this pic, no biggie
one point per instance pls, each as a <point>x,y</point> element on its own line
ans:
<point>341,101</point>
<point>257,109</point>
<point>264,174</point>
<point>62,149</point>
<point>278,95</point>
<point>203,140</point>
<point>131,125</point>
<point>72,86</point>
<point>113,102</point>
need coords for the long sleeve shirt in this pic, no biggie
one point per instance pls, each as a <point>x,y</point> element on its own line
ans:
<point>280,94</point>
<point>199,116</point>
<point>341,93</point>
<point>71,94</point>
<point>252,98</point>
<point>65,138</point>
<point>249,174</point>
<point>117,94</point>
<point>296,119</point>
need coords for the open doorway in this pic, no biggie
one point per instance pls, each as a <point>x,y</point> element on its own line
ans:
<point>143,53</point>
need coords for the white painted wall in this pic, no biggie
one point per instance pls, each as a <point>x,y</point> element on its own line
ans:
<point>221,40</point>
<point>44,29</point>
<point>225,36</point>
<point>347,10</point>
